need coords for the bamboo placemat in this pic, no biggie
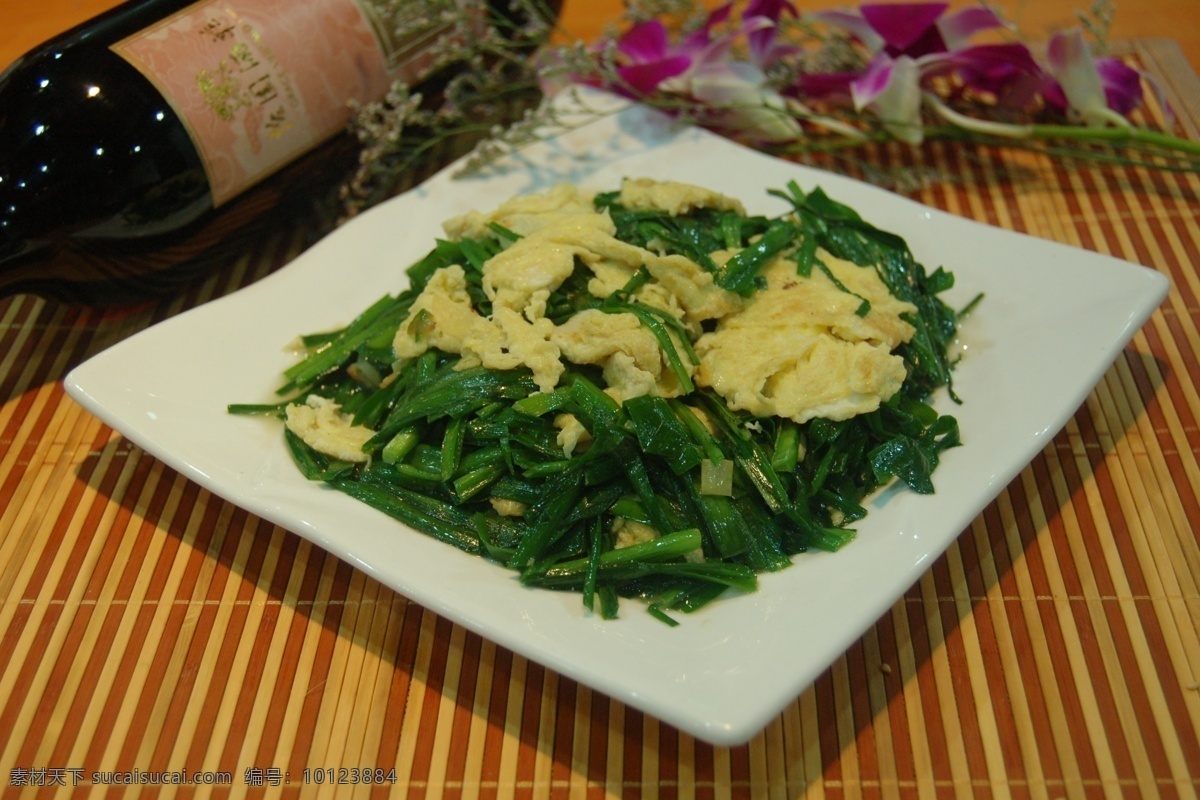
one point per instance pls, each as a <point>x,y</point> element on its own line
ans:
<point>1053,651</point>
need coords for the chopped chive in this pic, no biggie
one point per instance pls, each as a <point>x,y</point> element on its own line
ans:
<point>259,409</point>
<point>452,444</point>
<point>739,272</point>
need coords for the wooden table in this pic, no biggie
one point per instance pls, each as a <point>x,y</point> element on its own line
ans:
<point>1052,651</point>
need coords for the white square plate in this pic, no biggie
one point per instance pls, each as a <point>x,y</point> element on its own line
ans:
<point>1053,320</point>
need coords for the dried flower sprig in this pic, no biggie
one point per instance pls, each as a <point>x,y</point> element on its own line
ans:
<point>483,79</point>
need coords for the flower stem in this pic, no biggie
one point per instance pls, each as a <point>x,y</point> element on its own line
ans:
<point>1149,148</point>
<point>1130,134</point>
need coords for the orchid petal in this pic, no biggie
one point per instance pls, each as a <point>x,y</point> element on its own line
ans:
<point>822,85</point>
<point>959,27</point>
<point>767,55</point>
<point>763,48</point>
<point>1008,71</point>
<point>718,16</point>
<point>647,41</point>
<point>760,36</point>
<point>697,42</point>
<point>1122,84</point>
<point>700,40</point>
<point>703,49</point>
<point>1072,66</point>
<point>650,60</point>
<point>771,9</point>
<point>1010,54</point>
<point>908,28</point>
<point>872,83</point>
<point>892,89</point>
<point>745,103</point>
<point>856,24</point>
<point>645,78</point>
<point>729,82</point>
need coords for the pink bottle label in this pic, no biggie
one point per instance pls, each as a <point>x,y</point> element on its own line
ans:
<point>259,82</point>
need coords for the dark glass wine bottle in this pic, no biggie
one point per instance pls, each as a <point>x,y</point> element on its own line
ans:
<point>150,143</point>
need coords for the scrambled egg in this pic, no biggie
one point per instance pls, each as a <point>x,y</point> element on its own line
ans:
<point>511,341</point>
<point>799,350</point>
<point>794,349</point>
<point>523,214</point>
<point>559,230</point>
<point>630,532</point>
<point>632,360</point>
<point>322,426</point>
<point>507,508</point>
<point>674,197</point>
<point>571,433</point>
<point>441,317</point>
<point>693,287</point>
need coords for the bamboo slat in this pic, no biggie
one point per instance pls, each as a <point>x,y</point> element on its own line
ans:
<point>1052,651</point>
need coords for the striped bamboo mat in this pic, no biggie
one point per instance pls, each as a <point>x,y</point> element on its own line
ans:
<point>1053,651</point>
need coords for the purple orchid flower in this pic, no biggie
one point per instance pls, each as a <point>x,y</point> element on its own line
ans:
<point>912,29</point>
<point>738,91</point>
<point>833,86</point>
<point>743,102</point>
<point>1122,85</point>
<point>1099,91</point>
<point>764,47</point>
<point>1006,72</point>
<point>891,87</point>
<point>699,66</point>
<point>650,58</point>
<point>915,42</point>
<point>936,43</point>
<point>907,29</point>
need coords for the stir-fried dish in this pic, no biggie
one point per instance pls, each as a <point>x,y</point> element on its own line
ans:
<point>646,393</point>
